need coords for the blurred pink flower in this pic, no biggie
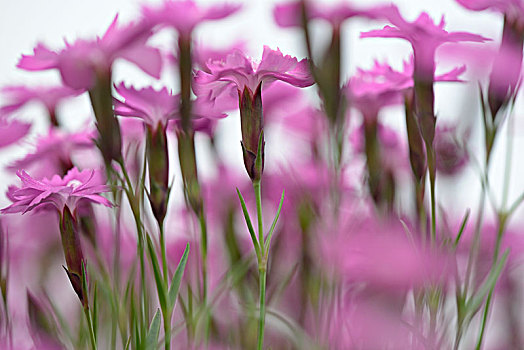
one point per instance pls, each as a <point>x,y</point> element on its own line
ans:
<point>75,186</point>
<point>79,63</point>
<point>513,9</point>
<point>12,131</point>
<point>424,36</point>
<point>393,147</point>
<point>238,71</point>
<point>381,86</point>
<point>158,107</point>
<point>380,255</point>
<point>54,152</point>
<point>185,15</point>
<point>18,96</point>
<point>289,14</point>
<point>450,149</point>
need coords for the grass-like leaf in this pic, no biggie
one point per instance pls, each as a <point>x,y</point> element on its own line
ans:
<point>177,278</point>
<point>152,334</point>
<point>272,228</point>
<point>249,224</point>
<point>161,289</point>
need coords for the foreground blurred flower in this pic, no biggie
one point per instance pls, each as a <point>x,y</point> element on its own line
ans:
<point>64,195</point>
<point>239,75</point>
<point>451,150</point>
<point>87,64</point>
<point>12,131</point>
<point>50,96</point>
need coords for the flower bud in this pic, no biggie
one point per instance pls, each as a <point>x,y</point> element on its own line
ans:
<point>252,124</point>
<point>73,253</point>
<point>158,163</point>
<point>188,168</point>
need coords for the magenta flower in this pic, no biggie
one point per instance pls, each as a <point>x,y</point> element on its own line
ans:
<point>451,150</point>
<point>289,14</point>
<point>18,96</point>
<point>238,71</point>
<point>79,63</point>
<point>69,191</point>
<point>514,9</point>
<point>423,34</point>
<point>185,15</point>
<point>381,86</point>
<point>158,107</point>
<point>12,131</point>
<point>54,152</point>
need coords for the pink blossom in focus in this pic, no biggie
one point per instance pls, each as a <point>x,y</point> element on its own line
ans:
<point>185,15</point>
<point>79,63</point>
<point>75,186</point>
<point>424,36</point>
<point>54,152</point>
<point>238,71</point>
<point>289,14</point>
<point>20,95</point>
<point>158,107</point>
<point>12,131</point>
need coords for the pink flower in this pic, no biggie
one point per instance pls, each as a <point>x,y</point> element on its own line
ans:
<point>80,63</point>
<point>185,15</point>
<point>450,149</point>
<point>289,14</point>
<point>158,107</point>
<point>54,152</point>
<point>50,96</point>
<point>381,86</point>
<point>75,186</point>
<point>513,9</point>
<point>424,35</point>
<point>12,131</point>
<point>238,72</point>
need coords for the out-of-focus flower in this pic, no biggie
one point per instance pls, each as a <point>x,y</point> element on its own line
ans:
<point>381,86</point>
<point>50,96</point>
<point>81,62</point>
<point>381,256</point>
<point>185,15</point>
<point>424,35</point>
<point>513,9</point>
<point>450,149</point>
<point>12,131</point>
<point>289,14</point>
<point>57,192</point>
<point>158,107</point>
<point>54,152</point>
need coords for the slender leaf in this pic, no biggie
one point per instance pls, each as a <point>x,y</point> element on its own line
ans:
<point>177,277</point>
<point>477,299</point>
<point>154,330</point>
<point>161,289</point>
<point>462,227</point>
<point>272,229</point>
<point>248,222</point>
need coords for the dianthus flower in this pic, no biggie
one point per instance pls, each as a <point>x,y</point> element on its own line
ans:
<point>18,96</point>
<point>58,192</point>
<point>79,63</point>
<point>54,151</point>
<point>239,75</point>
<point>12,131</point>
<point>185,15</point>
<point>289,14</point>
<point>158,107</point>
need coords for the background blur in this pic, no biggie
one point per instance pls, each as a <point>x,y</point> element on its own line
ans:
<point>23,23</point>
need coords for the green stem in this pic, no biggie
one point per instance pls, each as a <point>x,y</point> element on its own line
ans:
<point>163,253</point>
<point>167,328</point>
<point>258,199</point>
<point>262,266</point>
<point>262,305</point>
<point>203,241</point>
<point>92,339</point>
<point>430,152</point>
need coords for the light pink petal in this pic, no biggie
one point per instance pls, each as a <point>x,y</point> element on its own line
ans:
<point>42,59</point>
<point>12,131</point>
